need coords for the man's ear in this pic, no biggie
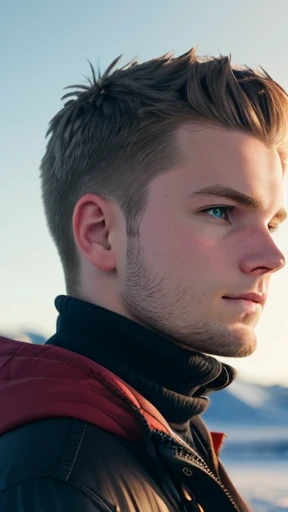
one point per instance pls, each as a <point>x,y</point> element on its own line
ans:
<point>92,224</point>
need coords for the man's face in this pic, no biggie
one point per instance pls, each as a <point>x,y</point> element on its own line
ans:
<point>199,250</point>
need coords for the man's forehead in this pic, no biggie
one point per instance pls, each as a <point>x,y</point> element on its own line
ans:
<point>234,158</point>
<point>205,141</point>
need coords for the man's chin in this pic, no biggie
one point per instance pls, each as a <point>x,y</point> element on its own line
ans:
<point>236,350</point>
<point>234,343</point>
<point>239,348</point>
<point>245,351</point>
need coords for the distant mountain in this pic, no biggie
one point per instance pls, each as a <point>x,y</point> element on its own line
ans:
<point>27,336</point>
<point>35,337</point>
<point>247,404</point>
<point>255,419</point>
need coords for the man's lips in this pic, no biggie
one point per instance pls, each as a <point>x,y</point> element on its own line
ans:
<point>248,303</point>
<point>259,298</point>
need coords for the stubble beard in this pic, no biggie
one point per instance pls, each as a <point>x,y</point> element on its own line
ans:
<point>146,300</point>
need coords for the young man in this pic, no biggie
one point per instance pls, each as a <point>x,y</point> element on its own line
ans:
<point>162,185</point>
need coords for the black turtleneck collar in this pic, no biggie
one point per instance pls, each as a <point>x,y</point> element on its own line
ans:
<point>175,380</point>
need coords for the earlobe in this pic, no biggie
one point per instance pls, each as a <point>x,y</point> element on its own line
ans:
<point>91,232</point>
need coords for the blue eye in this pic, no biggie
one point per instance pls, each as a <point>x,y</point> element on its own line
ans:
<point>219,212</point>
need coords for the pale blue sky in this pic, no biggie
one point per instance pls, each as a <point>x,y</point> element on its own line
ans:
<point>44,46</point>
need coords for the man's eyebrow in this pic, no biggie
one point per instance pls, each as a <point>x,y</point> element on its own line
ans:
<point>230,193</point>
<point>238,197</point>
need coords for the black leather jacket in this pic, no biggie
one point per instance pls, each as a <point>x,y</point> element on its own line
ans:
<point>66,465</point>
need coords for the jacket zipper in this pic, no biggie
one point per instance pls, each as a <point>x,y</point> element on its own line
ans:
<point>183,453</point>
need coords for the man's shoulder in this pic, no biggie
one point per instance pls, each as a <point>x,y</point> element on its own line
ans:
<point>55,448</point>
<point>33,450</point>
<point>79,454</point>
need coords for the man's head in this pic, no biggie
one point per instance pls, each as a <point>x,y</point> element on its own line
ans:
<point>162,183</point>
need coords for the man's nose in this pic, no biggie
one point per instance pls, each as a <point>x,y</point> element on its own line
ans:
<point>262,255</point>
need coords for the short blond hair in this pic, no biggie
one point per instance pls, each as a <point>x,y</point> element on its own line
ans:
<point>117,133</point>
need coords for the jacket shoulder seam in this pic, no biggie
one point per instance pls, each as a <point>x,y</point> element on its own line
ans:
<point>70,450</point>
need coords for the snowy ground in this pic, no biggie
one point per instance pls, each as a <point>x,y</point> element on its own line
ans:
<point>264,484</point>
